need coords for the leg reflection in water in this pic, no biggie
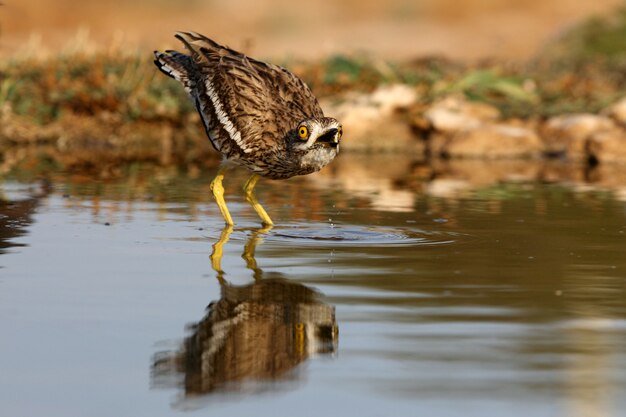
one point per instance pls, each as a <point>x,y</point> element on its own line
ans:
<point>258,332</point>
<point>248,252</point>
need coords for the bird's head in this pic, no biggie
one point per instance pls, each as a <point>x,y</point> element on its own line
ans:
<point>321,133</point>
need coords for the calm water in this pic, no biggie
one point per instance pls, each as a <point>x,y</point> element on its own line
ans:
<point>381,291</point>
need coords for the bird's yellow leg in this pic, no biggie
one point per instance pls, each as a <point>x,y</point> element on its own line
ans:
<point>249,190</point>
<point>218,252</point>
<point>218,192</point>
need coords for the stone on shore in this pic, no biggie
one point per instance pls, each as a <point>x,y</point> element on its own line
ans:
<point>453,114</point>
<point>494,141</point>
<point>607,146</point>
<point>567,135</point>
<point>373,122</point>
<point>617,111</point>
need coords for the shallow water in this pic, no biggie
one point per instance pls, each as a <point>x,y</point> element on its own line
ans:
<point>378,292</point>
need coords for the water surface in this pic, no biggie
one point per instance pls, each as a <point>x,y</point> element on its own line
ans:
<point>379,292</point>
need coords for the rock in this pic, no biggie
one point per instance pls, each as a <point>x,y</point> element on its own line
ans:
<point>453,114</point>
<point>607,146</point>
<point>617,111</point>
<point>436,144</point>
<point>390,98</point>
<point>494,141</point>
<point>610,177</point>
<point>568,134</point>
<point>371,121</point>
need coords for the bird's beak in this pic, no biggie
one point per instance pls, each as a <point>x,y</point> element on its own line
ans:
<point>330,137</point>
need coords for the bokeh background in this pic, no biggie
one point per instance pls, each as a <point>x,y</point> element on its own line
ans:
<point>470,235</point>
<point>78,76</point>
<point>394,29</point>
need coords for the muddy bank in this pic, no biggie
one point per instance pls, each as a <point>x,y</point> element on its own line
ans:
<point>392,119</point>
<point>95,143</point>
<point>98,108</point>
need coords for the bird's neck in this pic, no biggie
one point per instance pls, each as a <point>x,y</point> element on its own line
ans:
<point>315,159</point>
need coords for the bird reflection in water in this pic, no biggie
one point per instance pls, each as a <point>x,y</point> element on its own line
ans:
<point>16,215</point>
<point>255,333</point>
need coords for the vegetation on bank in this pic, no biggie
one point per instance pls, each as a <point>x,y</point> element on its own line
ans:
<point>111,82</point>
<point>128,86</point>
<point>106,92</point>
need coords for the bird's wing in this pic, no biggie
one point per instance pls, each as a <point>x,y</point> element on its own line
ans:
<point>256,102</point>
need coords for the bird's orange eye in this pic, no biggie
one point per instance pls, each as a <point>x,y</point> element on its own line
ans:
<point>303,132</point>
<point>339,132</point>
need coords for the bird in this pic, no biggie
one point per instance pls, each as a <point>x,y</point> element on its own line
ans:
<point>258,115</point>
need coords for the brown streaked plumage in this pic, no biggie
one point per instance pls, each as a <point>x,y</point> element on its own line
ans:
<point>258,332</point>
<point>257,115</point>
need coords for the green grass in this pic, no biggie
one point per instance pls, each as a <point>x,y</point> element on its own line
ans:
<point>124,84</point>
<point>598,37</point>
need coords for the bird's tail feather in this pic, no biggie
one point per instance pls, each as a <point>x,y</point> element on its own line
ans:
<point>176,65</point>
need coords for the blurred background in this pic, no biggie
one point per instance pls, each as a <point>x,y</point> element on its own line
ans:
<point>470,236</point>
<point>394,29</point>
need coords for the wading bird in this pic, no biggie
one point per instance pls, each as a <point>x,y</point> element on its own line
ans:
<point>257,115</point>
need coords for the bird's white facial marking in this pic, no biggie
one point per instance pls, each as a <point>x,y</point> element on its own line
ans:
<point>314,132</point>
<point>223,117</point>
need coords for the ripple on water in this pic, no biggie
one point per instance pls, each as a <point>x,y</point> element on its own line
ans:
<point>358,235</point>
